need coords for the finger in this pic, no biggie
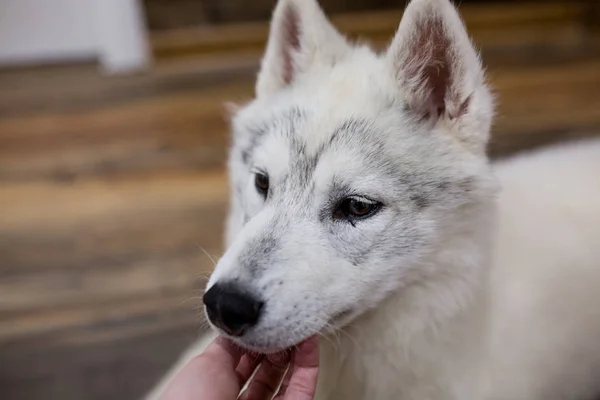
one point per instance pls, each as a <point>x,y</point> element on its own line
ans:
<point>210,374</point>
<point>247,366</point>
<point>300,382</point>
<point>267,378</point>
<point>246,361</point>
<point>223,351</point>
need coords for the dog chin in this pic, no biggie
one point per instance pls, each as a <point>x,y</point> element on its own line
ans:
<point>265,348</point>
<point>255,343</point>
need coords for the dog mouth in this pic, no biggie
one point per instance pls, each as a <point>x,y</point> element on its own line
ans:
<point>260,348</point>
<point>256,345</point>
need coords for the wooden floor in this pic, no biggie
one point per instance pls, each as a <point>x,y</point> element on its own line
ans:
<point>112,191</point>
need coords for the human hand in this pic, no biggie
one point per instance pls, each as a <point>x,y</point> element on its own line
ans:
<point>221,371</point>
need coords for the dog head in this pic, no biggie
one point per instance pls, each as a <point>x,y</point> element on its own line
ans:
<point>349,171</point>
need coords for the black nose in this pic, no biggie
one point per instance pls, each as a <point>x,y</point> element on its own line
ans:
<point>231,309</point>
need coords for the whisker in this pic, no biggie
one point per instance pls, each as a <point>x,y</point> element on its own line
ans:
<point>342,330</point>
<point>193,298</point>
<point>336,343</point>
<point>204,325</point>
<point>207,254</point>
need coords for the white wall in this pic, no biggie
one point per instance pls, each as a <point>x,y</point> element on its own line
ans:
<point>121,35</point>
<point>40,31</point>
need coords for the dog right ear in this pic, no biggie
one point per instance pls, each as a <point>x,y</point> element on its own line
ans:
<point>300,37</point>
<point>438,70</point>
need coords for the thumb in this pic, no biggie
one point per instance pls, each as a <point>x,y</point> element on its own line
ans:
<point>300,382</point>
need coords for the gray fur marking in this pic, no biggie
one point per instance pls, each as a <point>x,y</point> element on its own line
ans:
<point>355,133</point>
<point>418,186</point>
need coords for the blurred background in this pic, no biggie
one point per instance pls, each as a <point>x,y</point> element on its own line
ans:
<point>113,141</point>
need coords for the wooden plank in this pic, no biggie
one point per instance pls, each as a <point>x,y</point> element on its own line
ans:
<point>77,88</point>
<point>528,104</point>
<point>45,290</point>
<point>108,369</point>
<point>102,240</point>
<point>102,244</point>
<point>116,313</point>
<point>173,253</point>
<point>519,20</point>
<point>161,15</point>
<point>34,205</point>
<point>189,130</point>
<point>80,88</point>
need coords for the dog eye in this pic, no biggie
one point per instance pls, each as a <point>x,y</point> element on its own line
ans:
<point>354,208</point>
<point>261,181</point>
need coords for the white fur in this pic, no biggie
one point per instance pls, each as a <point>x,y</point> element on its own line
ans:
<point>491,298</point>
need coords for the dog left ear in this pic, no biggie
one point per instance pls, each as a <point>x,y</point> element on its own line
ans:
<point>437,68</point>
<point>300,37</point>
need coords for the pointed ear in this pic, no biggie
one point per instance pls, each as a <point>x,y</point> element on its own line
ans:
<point>300,37</point>
<point>436,66</point>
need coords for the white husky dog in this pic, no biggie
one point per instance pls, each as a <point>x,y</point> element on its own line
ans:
<point>364,209</point>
